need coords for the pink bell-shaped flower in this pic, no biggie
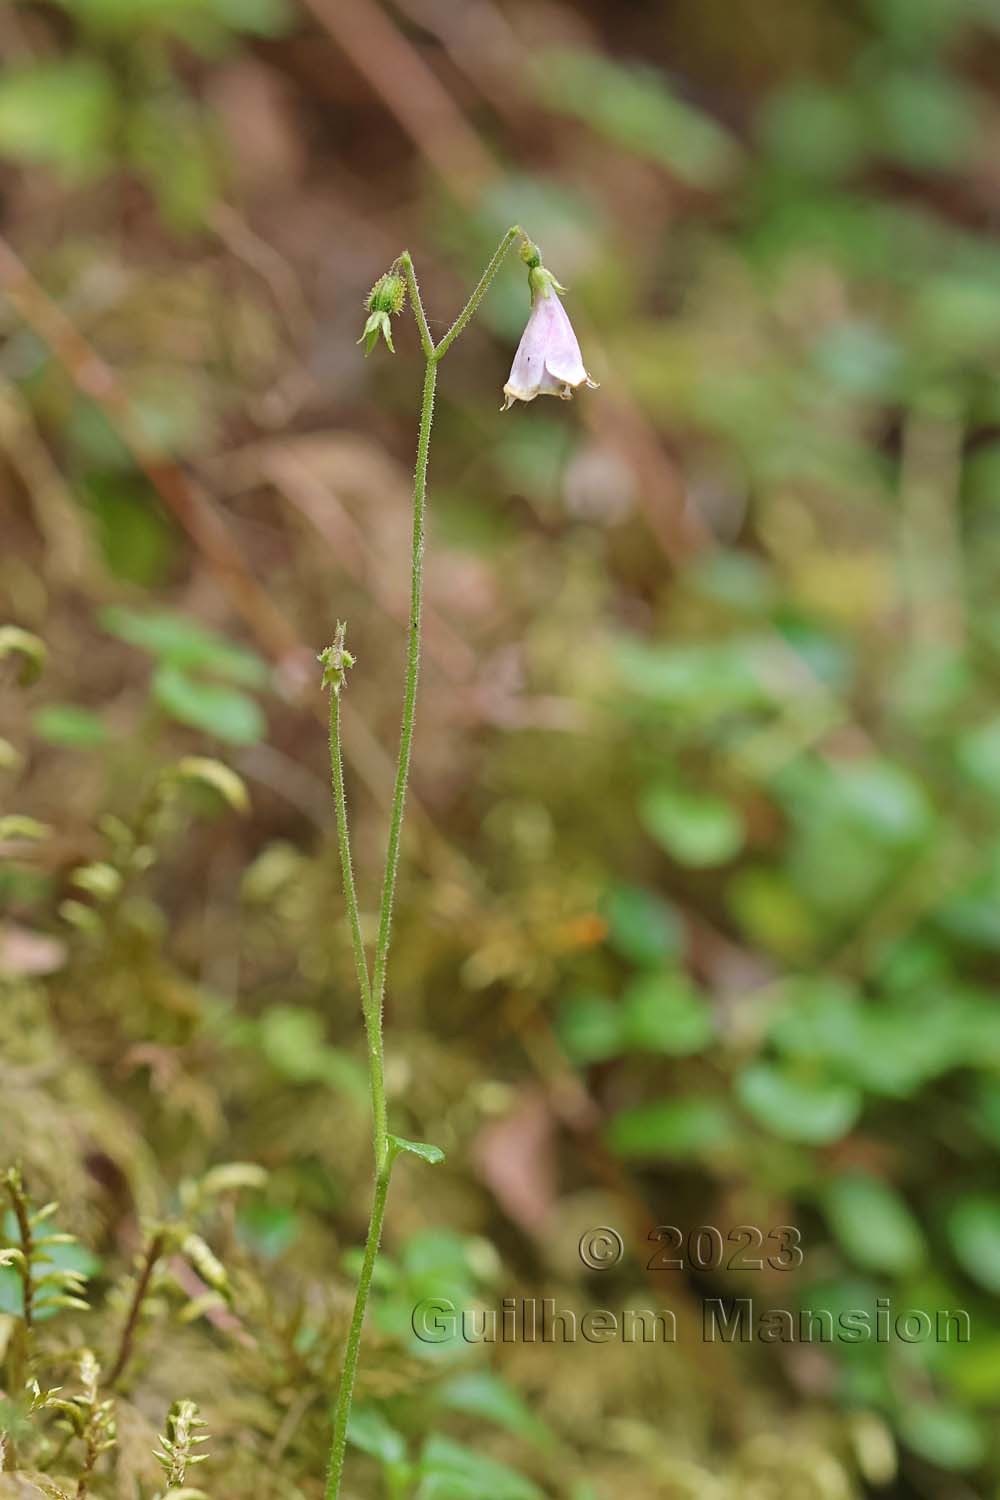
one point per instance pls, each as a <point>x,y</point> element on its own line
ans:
<point>548,360</point>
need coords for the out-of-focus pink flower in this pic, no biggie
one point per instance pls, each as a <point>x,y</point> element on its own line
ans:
<point>548,360</point>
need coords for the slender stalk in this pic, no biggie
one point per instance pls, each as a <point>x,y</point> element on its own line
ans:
<point>373,987</point>
<point>426,342</point>
<point>434,356</point>
<point>373,1025</point>
<point>372,993</point>
<point>409,700</point>
<point>345,1394</point>
<point>469,309</point>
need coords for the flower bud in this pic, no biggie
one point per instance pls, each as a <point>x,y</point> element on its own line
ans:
<point>386,296</point>
<point>336,660</point>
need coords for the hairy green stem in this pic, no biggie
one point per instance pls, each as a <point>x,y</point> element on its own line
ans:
<point>345,1394</point>
<point>372,993</point>
<point>426,342</point>
<point>373,1020</point>
<point>409,698</point>
<point>373,987</point>
<point>480,292</point>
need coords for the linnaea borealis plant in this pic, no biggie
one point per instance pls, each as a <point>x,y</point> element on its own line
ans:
<point>547,363</point>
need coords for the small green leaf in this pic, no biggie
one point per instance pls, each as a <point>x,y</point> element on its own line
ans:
<point>666,1013</point>
<point>974,1231</point>
<point>438,1255</point>
<point>873,1224</point>
<point>696,684</point>
<point>978,753</point>
<point>70,725</point>
<point>798,1107</point>
<point>480,1393</point>
<point>772,912</point>
<point>886,1048</point>
<point>641,926</point>
<point>672,1128</point>
<point>695,829</point>
<point>218,710</point>
<point>591,1028</point>
<point>946,1435</point>
<point>452,1472</point>
<point>926,119</point>
<point>813,129</point>
<point>268,1229</point>
<point>370,1431</point>
<point>136,538</point>
<point>423,1149</point>
<point>293,1041</point>
<point>636,108</point>
<point>184,642</point>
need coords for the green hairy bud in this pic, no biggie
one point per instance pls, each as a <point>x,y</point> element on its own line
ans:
<point>386,296</point>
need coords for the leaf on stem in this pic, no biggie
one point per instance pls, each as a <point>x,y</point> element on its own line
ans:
<point>423,1149</point>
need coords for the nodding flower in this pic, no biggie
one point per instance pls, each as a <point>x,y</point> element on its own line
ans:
<point>548,361</point>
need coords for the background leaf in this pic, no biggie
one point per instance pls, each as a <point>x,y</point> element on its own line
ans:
<point>221,711</point>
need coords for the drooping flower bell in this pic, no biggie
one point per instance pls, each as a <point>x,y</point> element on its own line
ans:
<point>548,361</point>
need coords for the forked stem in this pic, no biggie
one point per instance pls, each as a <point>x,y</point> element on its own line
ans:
<point>468,311</point>
<point>373,988</point>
